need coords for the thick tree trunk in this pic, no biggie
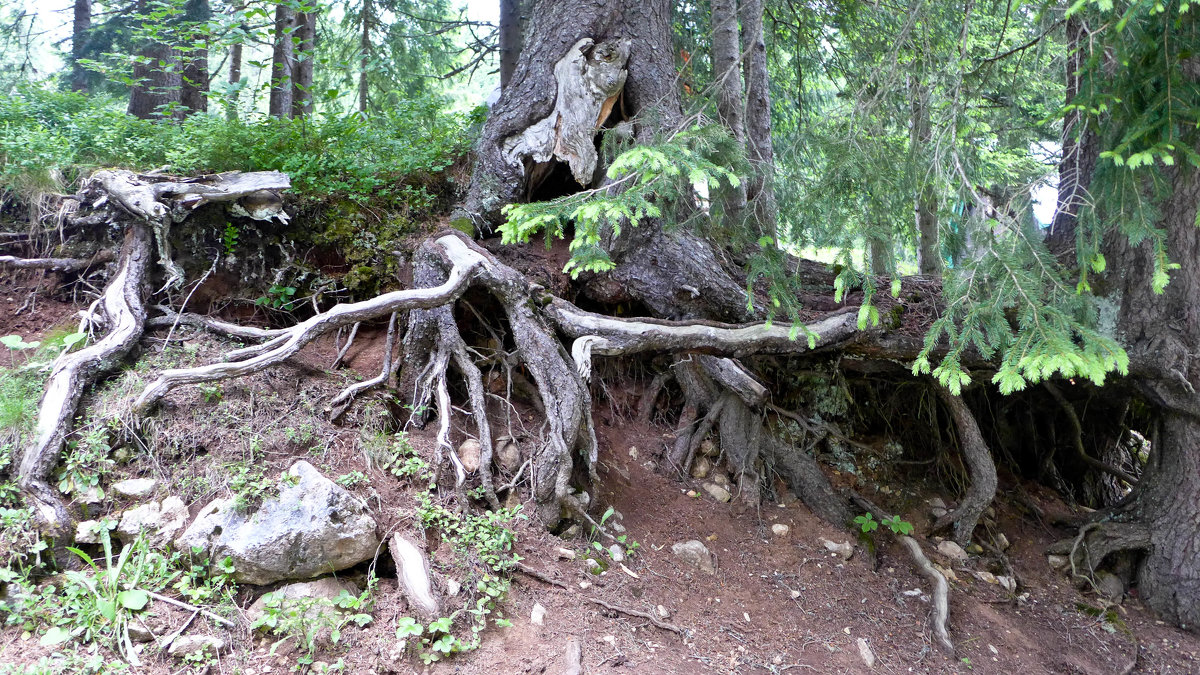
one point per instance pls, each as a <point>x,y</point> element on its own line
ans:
<point>306,50</point>
<point>510,39</point>
<point>880,250</point>
<point>1160,333</point>
<point>366,18</point>
<point>81,24</point>
<point>157,81</point>
<point>194,87</point>
<point>760,190</point>
<point>283,62</point>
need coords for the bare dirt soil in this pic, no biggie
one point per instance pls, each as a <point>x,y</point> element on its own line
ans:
<point>777,603</point>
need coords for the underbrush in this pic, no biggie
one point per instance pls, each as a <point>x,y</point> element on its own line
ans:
<point>50,139</point>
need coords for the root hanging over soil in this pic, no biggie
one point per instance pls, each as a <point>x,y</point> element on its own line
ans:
<point>980,465</point>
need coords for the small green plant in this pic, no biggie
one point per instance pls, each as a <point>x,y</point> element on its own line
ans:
<point>894,523</point>
<point>351,479</point>
<point>229,238</point>
<point>278,297</point>
<point>16,343</point>
<point>867,522</point>
<point>313,620</point>
<point>250,486</point>
<point>86,461</point>
<point>212,393</point>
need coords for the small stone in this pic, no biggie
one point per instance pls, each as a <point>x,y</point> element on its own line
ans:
<point>508,456</point>
<point>864,650</point>
<point>946,572</point>
<point>87,532</point>
<point>695,553</point>
<point>662,612</point>
<point>952,551</point>
<point>565,553</point>
<point>1058,562</point>
<point>538,615</point>
<point>1110,586</point>
<point>795,594</point>
<point>708,448</point>
<point>693,494</point>
<point>937,503</point>
<point>610,639</point>
<point>986,577</point>
<point>1002,542</point>
<point>938,512</point>
<point>633,453</point>
<point>159,521</point>
<point>721,479</point>
<point>585,585</point>
<point>974,549</point>
<point>592,565</point>
<point>843,549</point>
<point>617,553</point>
<point>780,530</point>
<point>185,645</point>
<point>1007,583</point>
<point>571,532</point>
<point>135,488</point>
<point>469,453</point>
<point>92,495</point>
<point>138,632</point>
<point>314,598</point>
<point>701,467</point>
<point>717,492</point>
<point>453,587</point>
<point>617,527</point>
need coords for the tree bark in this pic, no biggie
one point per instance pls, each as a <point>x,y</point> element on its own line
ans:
<point>157,81</point>
<point>282,62</point>
<point>194,85</point>
<point>1080,148</point>
<point>929,251</point>
<point>364,57</point>
<point>306,49</point>
<point>760,190</point>
<point>726,75</point>
<point>510,39</point>
<point>81,24</point>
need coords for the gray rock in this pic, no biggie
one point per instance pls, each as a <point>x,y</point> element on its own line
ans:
<point>701,467</point>
<point>469,453</point>
<point>1110,586</point>
<point>844,549</point>
<point>717,492</point>
<point>312,527</point>
<point>87,532</point>
<point>780,529</point>
<point>185,645</point>
<point>952,551</point>
<point>695,553</point>
<point>135,488</point>
<point>720,478</point>
<point>1058,562</point>
<point>508,456</point>
<point>312,598</point>
<point>617,553</point>
<point>1002,542</point>
<point>159,522</point>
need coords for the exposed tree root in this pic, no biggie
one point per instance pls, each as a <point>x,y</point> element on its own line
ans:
<point>170,318</point>
<point>639,614</point>
<point>56,264</point>
<point>339,404</point>
<point>941,588</point>
<point>980,465</point>
<point>1077,440</point>
<point>121,306</point>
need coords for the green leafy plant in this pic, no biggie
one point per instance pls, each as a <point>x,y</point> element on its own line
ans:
<point>351,479</point>
<point>229,238</point>
<point>867,522</point>
<point>314,620</point>
<point>16,343</point>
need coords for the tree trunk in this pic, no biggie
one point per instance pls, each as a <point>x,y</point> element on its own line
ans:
<point>880,250</point>
<point>726,74</point>
<point>194,87</point>
<point>157,82</point>
<point>235,73</point>
<point>1160,333</point>
<point>302,81</point>
<point>1080,148</point>
<point>282,62</point>
<point>510,39</point>
<point>760,191</point>
<point>81,24</point>
<point>929,252</point>
<point>364,49</point>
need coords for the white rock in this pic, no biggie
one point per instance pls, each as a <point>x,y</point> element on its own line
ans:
<point>633,453</point>
<point>87,532</point>
<point>1007,583</point>
<point>135,487</point>
<point>721,479</point>
<point>469,453</point>
<point>864,650</point>
<point>1002,542</point>
<point>663,613</point>
<point>617,553</point>
<point>565,553</point>
<point>717,492</point>
<point>844,549</point>
<point>986,577</point>
<point>952,551</point>
<point>701,467</point>
<point>92,495</point>
<point>1058,562</point>
<point>453,587</point>
<point>780,530</point>
<point>190,644</point>
<point>695,553</point>
<point>794,594</point>
<point>412,571</point>
<point>537,616</point>
<point>295,596</point>
<point>159,522</point>
<point>312,527</point>
<point>508,456</point>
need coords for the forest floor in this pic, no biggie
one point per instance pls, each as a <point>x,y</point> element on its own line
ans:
<point>777,603</point>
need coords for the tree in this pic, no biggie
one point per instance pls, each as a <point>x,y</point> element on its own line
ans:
<point>81,24</point>
<point>194,84</point>
<point>283,62</point>
<point>511,23</point>
<point>157,76</point>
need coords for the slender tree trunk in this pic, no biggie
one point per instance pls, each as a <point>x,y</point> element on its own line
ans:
<point>880,250</point>
<point>157,81</point>
<point>1080,149</point>
<point>727,76</point>
<point>760,191</point>
<point>235,72</point>
<point>194,86</point>
<point>925,208</point>
<point>302,80</point>
<point>364,48</point>
<point>282,62</point>
<point>81,24</point>
<point>510,39</point>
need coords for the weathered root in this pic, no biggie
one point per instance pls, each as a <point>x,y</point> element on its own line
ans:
<point>980,465</point>
<point>124,314</point>
<point>339,404</point>
<point>171,318</point>
<point>1097,540</point>
<point>287,344</point>
<point>337,361</point>
<point>941,588</point>
<point>804,476</point>
<point>1077,440</point>
<point>56,264</point>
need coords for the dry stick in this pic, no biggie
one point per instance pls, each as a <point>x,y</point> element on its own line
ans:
<point>183,605</point>
<point>1077,426</point>
<point>346,347</point>
<point>347,395</point>
<point>171,637</point>
<point>706,425</point>
<point>443,436</point>
<point>941,604</point>
<point>192,292</point>
<point>540,576</point>
<point>640,614</point>
<point>171,317</point>
<point>56,264</point>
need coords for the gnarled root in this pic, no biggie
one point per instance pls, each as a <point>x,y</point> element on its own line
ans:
<point>124,314</point>
<point>980,465</point>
